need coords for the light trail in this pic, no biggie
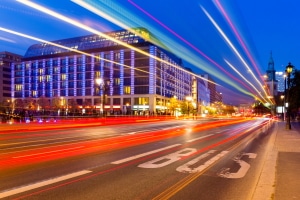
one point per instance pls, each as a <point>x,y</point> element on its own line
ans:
<point>234,50</point>
<point>217,2</point>
<point>232,67</point>
<point>64,47</point>
<point>187,42</point>
<point>53,151</point>
<point>94,31</point>
<point>201,53</point>
<point>131,20</point>
<point>91,6</point>
<point>222,10</point>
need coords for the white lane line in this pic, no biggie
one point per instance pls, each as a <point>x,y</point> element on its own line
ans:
<point>48,152</point>
<point>41,184</point>
<point>199,138</point>
<point>143,154</point>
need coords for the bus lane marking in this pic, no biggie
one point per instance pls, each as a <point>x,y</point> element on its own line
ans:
<point>143,154</point>
<point>244,167</point>
<point>187,167</point>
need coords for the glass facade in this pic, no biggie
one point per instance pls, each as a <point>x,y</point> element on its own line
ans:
<point>132,80</point>
<point>6,59</point>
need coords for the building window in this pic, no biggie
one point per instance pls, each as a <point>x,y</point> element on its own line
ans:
<point>141,101</point>
<point>116,101</point>
<point>34,93</point>
<point>127,90</point>
<point>117,56</point>
<point>127,101</point>
<point>117,81</point>
<point>19,87</point>
<point>48,78</point>
<point>141,90</point>
<point>56,70</point>
<point>63,77</point>
<point>40,78</point>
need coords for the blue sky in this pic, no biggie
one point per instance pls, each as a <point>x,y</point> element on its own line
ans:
<point>188,28</point>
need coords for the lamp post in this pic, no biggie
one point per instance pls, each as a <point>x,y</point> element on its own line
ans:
<point>100,83</point>
<point>289,70</point>
<point>282,109</point>
<point>188,99</point>
<point>102,91</point>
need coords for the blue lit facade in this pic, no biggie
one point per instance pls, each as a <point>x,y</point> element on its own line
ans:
<point>6,59</point>
<point>136,82</point>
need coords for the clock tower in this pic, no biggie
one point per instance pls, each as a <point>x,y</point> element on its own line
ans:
<point>271,81</point>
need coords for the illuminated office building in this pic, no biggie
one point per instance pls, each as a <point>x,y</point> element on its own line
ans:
<point>135,82</point>
<point>6,59</point>
<point>280,79</point>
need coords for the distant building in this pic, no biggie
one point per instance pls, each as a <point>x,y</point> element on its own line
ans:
<point>212,88</point>
<point>219,97</point>
<point>271,82</point>
<point>280,79</point>
<point>203,96</point>
<point>6,59</point>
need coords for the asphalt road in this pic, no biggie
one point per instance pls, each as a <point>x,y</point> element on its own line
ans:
<point>167,160</point>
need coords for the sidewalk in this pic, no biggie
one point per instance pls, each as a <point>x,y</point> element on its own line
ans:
<point>280,177</point>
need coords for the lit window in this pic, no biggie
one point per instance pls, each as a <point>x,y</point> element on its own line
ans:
<point>48,78</point>
<point>34,93</point>
<point>40,78</point>
<point>18,87</point>
<point>117,81</point>
<point>63,77</point>
<point>56,70</point>
<point>127,90</point>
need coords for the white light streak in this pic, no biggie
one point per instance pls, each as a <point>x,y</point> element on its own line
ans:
<point>87,28</point>
<point>235,51</point>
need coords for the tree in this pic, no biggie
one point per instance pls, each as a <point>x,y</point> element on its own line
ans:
<point>87,105</point>
<point>29,104</point>
<point>295,92</point>
<point>6,106</point>
<point>72,103</point>
<point>173,105</point>
<point>56,104</point>
<point>18,104</point>
<point>260,109</point>
<point>43,103</point>
<point>187,107</point>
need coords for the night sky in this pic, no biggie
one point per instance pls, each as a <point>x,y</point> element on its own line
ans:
<point>229,39</point>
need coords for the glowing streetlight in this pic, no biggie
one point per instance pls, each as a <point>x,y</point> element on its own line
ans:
<point>288,70</point>
<point>102,88</point>
<point>189,99</point>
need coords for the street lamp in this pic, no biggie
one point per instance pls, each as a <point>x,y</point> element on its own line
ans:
<point>102,89</point>
<point>289,70</point>
<point>189,99</point>
<point>100,83</point>
<point>282,109</point>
